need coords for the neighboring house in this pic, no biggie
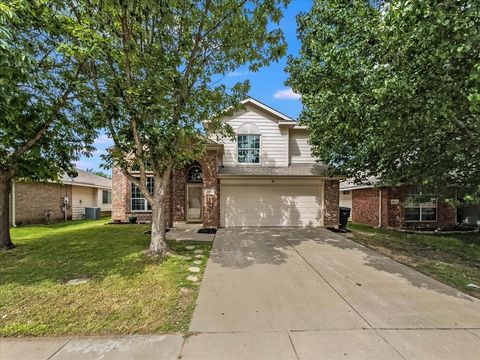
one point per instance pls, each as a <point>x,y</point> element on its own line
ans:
<point>468,214</point>
<point>267,177</point>
<point>31,201</point>
<point>398,207</point>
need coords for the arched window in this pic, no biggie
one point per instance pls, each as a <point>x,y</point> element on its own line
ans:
<point>195,174</point>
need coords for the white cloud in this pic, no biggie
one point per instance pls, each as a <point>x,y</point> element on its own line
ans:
<point>286,94</point>
<point>103,140</point>
<point>238,73</point>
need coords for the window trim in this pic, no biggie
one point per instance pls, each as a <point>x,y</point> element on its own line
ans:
<point>259,151</point>
<point>145,210</point>
<point>420,207</point>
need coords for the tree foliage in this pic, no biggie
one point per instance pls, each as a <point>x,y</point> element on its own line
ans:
<point>157,73</point>
<point>45,116</point>
<point>391,90</point>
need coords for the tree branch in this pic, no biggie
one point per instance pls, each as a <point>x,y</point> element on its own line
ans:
<point>56,108</point>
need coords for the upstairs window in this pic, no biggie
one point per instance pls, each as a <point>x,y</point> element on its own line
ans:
<point>420,207</point>
<point>139,203</point>
<point>249,149</point>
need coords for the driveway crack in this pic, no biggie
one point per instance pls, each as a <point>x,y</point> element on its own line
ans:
<point>293,346</point>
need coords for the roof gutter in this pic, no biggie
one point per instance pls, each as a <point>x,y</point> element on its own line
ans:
<point>229,176</point>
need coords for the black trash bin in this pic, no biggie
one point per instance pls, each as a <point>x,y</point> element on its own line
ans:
<point>344,215</point>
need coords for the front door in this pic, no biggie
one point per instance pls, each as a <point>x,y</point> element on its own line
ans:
<point>194,203</point>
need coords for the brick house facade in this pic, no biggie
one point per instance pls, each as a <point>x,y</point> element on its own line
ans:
<point>176,202</point>
<point>266,176</point>
<point>366,208</point>
<point>30,201</point>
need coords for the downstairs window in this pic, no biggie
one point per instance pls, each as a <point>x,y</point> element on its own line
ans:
<point>420,207</point>
<point>139,203</point>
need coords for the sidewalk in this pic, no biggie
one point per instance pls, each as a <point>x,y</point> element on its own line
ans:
<point>144,347</point>
<point>368,344</point>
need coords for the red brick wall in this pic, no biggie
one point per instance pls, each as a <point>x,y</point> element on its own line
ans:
<point>395,213</point>
<point>175,204</point>
<point>331,200</point>
<point>446,214</point>
<point>179,182</point>
<point>32,199</point>
<point>365,206</point>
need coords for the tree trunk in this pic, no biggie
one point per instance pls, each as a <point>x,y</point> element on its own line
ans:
<point>5,188</point>
<point>158,245</point>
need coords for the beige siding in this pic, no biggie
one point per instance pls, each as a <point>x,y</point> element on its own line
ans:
<point>274,141</point>
<point>346,200</point>
<point>82,197</point>
<point>103,207</point>
<point>270,204</point>
<point>300,150</point>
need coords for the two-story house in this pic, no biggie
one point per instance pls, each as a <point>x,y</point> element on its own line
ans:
<point>267,177</point>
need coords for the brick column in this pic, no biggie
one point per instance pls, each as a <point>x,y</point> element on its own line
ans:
<point>330,203</point>
<point>178,194</point>
<point>120,195</point>
<point>211,190</point>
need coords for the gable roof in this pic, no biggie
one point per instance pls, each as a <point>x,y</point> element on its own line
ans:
<point>86,178</point>
<point>268,109</point>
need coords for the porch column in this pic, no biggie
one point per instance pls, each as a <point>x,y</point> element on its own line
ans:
<point>211,190</point>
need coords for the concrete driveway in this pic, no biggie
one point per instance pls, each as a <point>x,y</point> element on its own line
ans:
<point>312,294</point>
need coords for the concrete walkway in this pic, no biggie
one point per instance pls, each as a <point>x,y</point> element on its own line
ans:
<point>183,231</point>
<point>296,294</point>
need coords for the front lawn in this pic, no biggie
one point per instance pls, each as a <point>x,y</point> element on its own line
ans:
<point>127,292</point>
<point>452,259</point>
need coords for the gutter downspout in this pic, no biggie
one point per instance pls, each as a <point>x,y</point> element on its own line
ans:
<point>379,208</point>
<point>13,204</point>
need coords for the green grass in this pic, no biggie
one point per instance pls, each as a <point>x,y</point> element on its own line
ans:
<point>451,258</point>
<point>128,292</point>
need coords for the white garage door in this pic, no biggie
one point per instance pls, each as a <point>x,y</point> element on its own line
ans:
<point>271,205</point>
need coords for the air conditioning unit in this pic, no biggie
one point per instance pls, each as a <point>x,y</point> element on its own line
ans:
<point>92,213</point>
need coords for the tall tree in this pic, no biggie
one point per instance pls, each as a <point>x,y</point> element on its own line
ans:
<point>391,89</point>
<point>44,120</point>
<point>157,69</point>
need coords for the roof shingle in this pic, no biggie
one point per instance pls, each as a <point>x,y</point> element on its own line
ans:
<point>291,170</point>
<point>87,178</point>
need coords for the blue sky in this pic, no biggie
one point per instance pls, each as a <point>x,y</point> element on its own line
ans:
<point>267,85</point>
